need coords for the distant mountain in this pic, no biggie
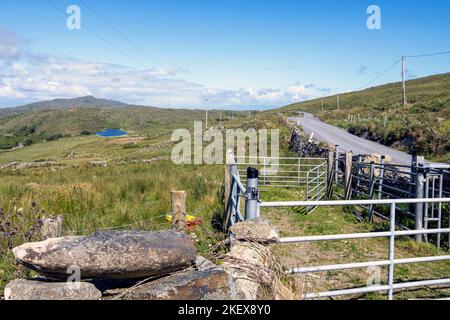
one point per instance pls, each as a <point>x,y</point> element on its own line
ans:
<point>61,104</point>
<point>49,120</point>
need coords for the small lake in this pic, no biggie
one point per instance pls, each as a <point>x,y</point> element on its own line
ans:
<point>112,133</point>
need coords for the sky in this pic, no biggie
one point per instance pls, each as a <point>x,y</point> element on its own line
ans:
<point>218,53</point>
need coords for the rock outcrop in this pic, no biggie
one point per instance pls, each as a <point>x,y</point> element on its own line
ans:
<point>22,289</point>
<point>110,255</point>
<point>211,284</point>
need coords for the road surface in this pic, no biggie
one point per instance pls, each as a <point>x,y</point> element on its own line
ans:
<point>347,142</point>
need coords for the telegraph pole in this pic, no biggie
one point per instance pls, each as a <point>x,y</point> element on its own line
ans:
<point>405,101</point>
<point>338,102</point>
<point>206,113</point>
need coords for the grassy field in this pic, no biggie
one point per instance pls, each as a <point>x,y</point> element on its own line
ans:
<point>378,114</point>
<point>132,191</point>
<point>129,193</point>
<point>121,195</point>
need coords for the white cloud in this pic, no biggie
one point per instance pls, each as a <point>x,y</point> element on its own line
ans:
<point>27,76</point>
<point>261,97</point>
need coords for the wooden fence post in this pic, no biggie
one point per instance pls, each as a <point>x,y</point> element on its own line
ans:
<point>348,175</point>
<point>178,199</point>
<point>51,227</point>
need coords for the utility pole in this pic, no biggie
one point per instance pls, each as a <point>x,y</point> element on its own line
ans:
<point>206,113</point>
<point>322,104</point>
<point>405,101</point>
<point>338,102</point>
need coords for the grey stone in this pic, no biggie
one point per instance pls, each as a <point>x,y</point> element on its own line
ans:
<point>211,284</point>
<point>257,230</point>
<point>204,264</point>
<point>22,289</point>
<point>110,255</point>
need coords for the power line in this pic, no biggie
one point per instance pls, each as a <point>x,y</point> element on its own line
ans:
<point>429,54</point>
<point>380,75</point>
<point>100,36</point>
<point>120,33</point>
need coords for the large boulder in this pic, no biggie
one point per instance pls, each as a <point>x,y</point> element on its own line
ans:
<point>110,255</point>
<point>22,289</point>
<point>211,284</point>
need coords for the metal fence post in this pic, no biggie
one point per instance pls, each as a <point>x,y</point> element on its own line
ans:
<point>359,164</point>
<point>371,188</point>
<point>348,175</point>
<point>330,172</point>
<point>391,253</point>
<point>336,164</point>
<point>318,181</point>
<point>228,162</point>
<point>381,177</point>
<point>252,195</point>
<point>420,181</point>
<point>426,194</point>
<point>234,197</point>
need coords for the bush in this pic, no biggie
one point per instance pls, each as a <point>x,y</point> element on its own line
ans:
<point>27,142</point>
<point>55,137</point>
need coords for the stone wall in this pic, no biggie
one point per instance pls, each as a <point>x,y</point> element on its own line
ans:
<point>304,147</point>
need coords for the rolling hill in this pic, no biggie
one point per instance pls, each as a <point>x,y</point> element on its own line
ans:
<point>50,120</point>
<point>422,127</point>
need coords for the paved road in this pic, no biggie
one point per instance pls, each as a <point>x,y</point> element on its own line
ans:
<point>346,141</point>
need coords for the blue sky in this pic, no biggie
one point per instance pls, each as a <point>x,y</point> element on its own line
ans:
<point>232,53</point>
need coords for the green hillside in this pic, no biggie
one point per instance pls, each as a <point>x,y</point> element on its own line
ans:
<point>377,114</point>
<point>83,116</point>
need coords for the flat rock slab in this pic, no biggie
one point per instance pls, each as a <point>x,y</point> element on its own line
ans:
<point>110,255</point>
<point>257,230</point>
<point>211,284</point>
<point>39,290</point>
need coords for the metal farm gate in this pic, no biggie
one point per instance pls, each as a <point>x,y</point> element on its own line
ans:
<point>415,200</point>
